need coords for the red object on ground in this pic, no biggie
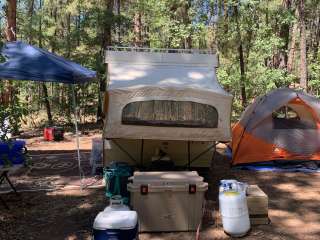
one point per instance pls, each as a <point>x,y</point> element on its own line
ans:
<point>48,134</point>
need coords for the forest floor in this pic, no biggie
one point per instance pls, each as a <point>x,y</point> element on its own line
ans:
<point>51,205</point>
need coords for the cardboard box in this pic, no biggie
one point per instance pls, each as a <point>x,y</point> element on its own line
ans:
<point>257,205</point>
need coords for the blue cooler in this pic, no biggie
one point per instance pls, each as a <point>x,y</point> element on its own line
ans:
<point>116,222</point>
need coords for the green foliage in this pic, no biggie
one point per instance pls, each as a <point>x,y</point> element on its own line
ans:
<point>11,115</point>
<point>77,30</point>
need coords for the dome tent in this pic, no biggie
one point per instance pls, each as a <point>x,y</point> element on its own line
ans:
<point>281,125</point>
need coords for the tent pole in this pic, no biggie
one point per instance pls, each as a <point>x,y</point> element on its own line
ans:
<point>77,135</point>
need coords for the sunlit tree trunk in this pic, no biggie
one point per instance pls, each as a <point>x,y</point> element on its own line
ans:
<point>43,84</point>
<point>11,12</point>
<point>30,16</point>
<point>292,48</point>
<point>10,33</point>
<point>137,28</point>
<point>187,22</point>
<point>118,30</point>
<point>241,61</point>
<point>106,40</point>
<point>303,47</point>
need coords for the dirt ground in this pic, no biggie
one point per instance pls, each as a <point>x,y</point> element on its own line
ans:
<point>62,211</point>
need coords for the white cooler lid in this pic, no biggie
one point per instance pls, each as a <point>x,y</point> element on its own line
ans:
<point>116,220</point>
<point>162,178</point>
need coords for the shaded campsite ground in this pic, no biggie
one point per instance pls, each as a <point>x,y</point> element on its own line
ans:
<point>62,211</point>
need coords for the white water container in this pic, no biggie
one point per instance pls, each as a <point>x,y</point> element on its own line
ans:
<point>234,210</point>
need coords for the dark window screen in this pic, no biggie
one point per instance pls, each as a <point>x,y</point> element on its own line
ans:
<point>170,114</point>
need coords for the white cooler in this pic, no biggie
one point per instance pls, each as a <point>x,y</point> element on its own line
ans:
<point>168,201</point>
<point>116,222</point>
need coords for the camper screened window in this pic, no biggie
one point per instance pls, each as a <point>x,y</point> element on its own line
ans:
<point>168,113</point>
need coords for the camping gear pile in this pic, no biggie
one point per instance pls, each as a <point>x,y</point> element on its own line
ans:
<point>164,111</point>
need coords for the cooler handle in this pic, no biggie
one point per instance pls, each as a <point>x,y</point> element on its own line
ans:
<point>116,200</point>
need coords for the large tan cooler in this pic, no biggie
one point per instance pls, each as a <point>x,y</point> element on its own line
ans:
<point>168,201</point>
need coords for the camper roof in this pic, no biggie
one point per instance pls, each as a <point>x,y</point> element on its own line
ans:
<point>176,68</point>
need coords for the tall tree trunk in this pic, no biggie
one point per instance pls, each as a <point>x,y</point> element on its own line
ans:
<point>43,84</point>
<point>187,22</point>
<point>118,30</point>
<point>11,16</point>
<point>47,103</point>
<point>241,61</point>
<point>292,49</point>
<point>303,48</point>
<point>11,12</point>
<point>105,42</point>
<point>316,42</point>
<point>30,16</point>
<point>69,87</point>
<point>137,28</point>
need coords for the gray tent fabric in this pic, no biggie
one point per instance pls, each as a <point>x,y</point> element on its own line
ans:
<point>284,123</point>
<point>264,105</point>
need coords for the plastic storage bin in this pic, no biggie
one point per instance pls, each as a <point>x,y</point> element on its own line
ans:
<point>12,152</point>
<point>167,201</point>
<point>116,222</point>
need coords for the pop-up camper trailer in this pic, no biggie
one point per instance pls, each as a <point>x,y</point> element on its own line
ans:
<point>164,101</point>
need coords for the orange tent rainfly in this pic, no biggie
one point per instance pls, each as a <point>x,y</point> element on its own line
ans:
<point>282,125</point>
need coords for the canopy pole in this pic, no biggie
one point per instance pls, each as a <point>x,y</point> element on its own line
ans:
<point>77,136</point>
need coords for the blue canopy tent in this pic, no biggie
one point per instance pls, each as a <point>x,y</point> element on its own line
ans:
<point>26,62</point>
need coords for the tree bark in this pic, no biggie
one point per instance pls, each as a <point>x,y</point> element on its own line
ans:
<point>241,61</point>
<point>44,87</point>
<point>8,94</point>
<point>303,48</point>
<point>106,35</point>
<point>30,15</point>
<point>69,88</point>
<point>137,28</point>
<point>292,49</point>
<point>11,13</point>
<point>118,30</point>
<point>187,22</point>
<point>47,103</point>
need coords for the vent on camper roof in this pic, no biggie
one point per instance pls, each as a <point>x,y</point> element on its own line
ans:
<point>161,50</point>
